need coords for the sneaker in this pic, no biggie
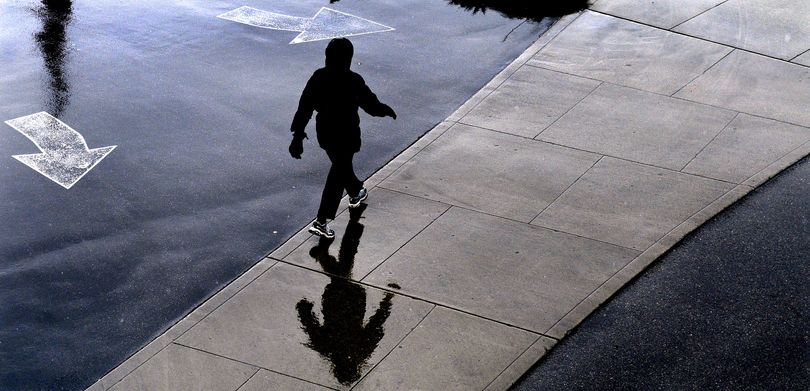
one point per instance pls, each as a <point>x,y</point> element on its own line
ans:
<point>322,230</point>
<point>361,196</point>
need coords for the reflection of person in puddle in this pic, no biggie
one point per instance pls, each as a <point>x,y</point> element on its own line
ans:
<point>342,338</point>
<point>336,93</point>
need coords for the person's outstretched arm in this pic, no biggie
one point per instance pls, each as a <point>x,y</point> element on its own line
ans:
<point>375,323</point>
<point>306,105</point>
<point>309,322</point>
<point>371,105</point>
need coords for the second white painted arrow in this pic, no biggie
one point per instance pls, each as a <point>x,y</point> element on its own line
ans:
<point>326,24</point>
<point>65,157</point>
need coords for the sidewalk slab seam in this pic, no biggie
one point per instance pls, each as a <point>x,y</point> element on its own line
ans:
<point>755,84</point>
<point>500,269</point>
<point>745,147</point>
<point>498,166</point>
<point>652,129</point>
<point>779,31</point>
<point>804,64</point>
<point>511,110</point>
<point>269,380</point>
<point>686,99</point>
<point>701,74</point>
<point>183,367</point>
<point>658,14</point>
<point>399,292</point>
<point>437,342</point>
<point>612,156</point>
<point>398,344</point>
<point>629,204</point>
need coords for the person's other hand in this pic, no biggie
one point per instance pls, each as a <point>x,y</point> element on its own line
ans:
<point>296,148</point>
<point>304,305</point>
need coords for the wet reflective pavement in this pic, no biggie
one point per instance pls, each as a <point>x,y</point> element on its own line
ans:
<point>200,186</point>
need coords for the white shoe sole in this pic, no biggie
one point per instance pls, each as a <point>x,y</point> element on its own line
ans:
<point>320,233</point>
<point>354,205</point>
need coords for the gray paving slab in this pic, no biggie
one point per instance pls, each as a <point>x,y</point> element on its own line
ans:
<point>268,324</point>
<point>496,173</point>
<point>665,14</point>
<point>629,204</point>
<point>777,28</point>
<point>631,54</point>
<point>178,368</point>
<point>757,85</point>
<point>512,272</point>
<point>748,145</point>
<point>639,126</point>
<point>449,350</point>
<point>367,240</point>
<point>265,380</point>
<point>529,101</point>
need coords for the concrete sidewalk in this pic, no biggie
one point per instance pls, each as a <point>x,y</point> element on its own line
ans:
<point>502,228</point>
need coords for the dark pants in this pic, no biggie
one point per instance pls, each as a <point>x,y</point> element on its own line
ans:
<point>341,176</point>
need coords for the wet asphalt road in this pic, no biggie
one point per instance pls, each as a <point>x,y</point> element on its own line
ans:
<point>200,186</point>
<point>726,309</point>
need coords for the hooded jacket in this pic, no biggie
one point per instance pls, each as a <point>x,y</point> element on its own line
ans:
<point>336,93</point>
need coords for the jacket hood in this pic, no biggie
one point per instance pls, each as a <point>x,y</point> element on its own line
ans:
<point>339,54</point>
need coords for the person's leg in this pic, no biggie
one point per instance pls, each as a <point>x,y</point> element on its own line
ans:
<point>352,184</point>
<point>341,176</point>
<point>330,198</point>
<point>332,191</point>
<point>342,164</point>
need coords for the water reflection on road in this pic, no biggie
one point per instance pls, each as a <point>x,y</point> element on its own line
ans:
<point>55,16</point>
<point>524,9</point>
<point>342,338</point>
<point>535,10</point>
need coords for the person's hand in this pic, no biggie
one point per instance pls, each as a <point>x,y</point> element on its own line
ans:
<point>390,112</point>
<point>296,148</point>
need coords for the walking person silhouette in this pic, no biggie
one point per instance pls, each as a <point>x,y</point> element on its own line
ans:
<point>336,93</point>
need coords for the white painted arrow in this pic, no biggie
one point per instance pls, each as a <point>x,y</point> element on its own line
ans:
<point>65,157</point>
<point>326,24</point>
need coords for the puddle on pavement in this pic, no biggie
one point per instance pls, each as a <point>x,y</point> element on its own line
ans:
<point>343,338</point>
